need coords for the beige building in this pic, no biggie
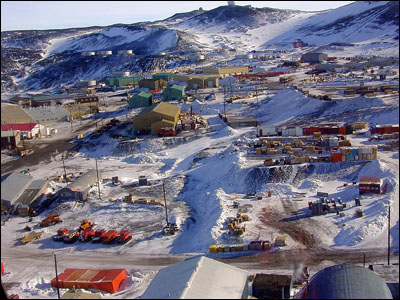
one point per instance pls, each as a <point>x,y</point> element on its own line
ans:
<point>153,84</point>
<point>14,114</point>
<point>157,116</point>
<point>203,81</point>
<point>226,71</point>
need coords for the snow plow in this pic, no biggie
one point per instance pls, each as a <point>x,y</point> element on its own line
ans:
<point>123,237</point>
<point>60,234</point>
<point>30,237</point>
<point>98,235</point>
<point>71,237</point>
<point>109,237</point>
<point>50,220</point>
<point>85,224</point>
<point>87,235</point>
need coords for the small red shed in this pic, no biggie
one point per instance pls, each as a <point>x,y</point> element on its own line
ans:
<point>370,185</point>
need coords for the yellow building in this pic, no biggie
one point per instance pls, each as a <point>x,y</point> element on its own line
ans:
<point>14,114</point>
<point>226,71</point>
<point>157,116</point>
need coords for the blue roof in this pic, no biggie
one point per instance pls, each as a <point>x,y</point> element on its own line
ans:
<point>347,282</point>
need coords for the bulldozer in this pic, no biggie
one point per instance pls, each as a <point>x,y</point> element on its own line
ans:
<point>50,220</point>
<point>85,224</point>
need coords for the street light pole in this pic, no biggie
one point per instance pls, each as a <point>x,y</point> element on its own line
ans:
<point>388,254</point>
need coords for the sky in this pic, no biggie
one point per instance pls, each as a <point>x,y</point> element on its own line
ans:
<point>40,15</point>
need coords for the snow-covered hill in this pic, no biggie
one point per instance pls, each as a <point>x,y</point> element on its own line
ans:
<point>36,60</point>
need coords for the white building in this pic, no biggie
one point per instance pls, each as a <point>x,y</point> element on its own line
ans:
<point>198,278</point>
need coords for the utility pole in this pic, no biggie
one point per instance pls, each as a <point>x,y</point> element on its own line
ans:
<point>65,172</point>
<point>70,117</point>
<point>165,202</point>
<point>224,102</point>
<point>388,258</point>
<point>55,263</point>
<point>80,116</point>
<point>98,181</point>
<point>256,95</point>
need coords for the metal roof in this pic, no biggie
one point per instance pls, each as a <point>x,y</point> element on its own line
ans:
<point>14,185</point>
<point>47,112</point>
<point>198,278</point>
<point>31,192</point>
<point>347,282</point>
<point>84,182</point>
<point>21,127</point>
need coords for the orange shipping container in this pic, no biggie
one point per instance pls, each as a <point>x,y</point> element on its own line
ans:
<point>105,280</point>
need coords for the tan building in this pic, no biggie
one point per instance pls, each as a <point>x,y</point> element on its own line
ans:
<point>157,116</point>
<point>226,71</point>
<point>205,81</point>
<point>153,84</point>
<point>14,114</point>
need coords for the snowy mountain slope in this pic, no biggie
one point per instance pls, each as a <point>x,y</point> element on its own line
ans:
<point>41,57</point>
<point>355,22</point>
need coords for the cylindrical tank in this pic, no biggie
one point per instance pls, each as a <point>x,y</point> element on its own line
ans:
<point>125,52</point>
<point>91,53</point>
<point>105,52</point>
<point>91,83</point>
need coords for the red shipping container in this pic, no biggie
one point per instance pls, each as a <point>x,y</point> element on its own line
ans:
<point>105,280</point>
<point>342,130</point>
<point>2,269</point>
<point>336,157</point>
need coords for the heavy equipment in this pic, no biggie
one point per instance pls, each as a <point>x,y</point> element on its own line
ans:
<point>60,234</point>
<point>123,237</point>
<point>31,236</point>
<point>50,220</point>
<point>109,236</point>
<point>71,237</point>
<point>166,131</point>
<point>85,224</point>
<point>98,235</point>
<point>170,228</point>
<point>86,235</point>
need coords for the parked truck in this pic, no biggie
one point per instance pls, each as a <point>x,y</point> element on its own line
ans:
<point>86,235</point>
<point>98,235</point>
<point>166,131</point>
<point>170,228</point>
<point>71,237</point>
<point>109,237</point>
<point>60,234</point>
<point>50,220</point>
<point>123,237</point>
<point>85,224</point>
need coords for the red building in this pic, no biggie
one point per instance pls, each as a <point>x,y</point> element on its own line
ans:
<point>385,129</point>
<point>370,185</point>
<point>328,128</point>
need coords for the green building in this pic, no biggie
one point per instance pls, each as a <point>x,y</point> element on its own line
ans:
<point>123,81</point>
<point>164,76</point>
<point>132,80</point>
<point>175,92</point>
<point>142,99</point>
<point>110,81</point>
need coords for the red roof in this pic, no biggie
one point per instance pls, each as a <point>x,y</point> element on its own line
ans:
<point>20,127</point>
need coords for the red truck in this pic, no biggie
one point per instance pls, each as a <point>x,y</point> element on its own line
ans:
<point>166,131</point>
<point>50,220</point>
<point>86,235</point>
<point>98,235</point>
<point>60,234</point>
<point>71,237</point>
<point>109,237</point>
<point>123,237</point>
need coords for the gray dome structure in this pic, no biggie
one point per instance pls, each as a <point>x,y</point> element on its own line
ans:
<point>347,282</point>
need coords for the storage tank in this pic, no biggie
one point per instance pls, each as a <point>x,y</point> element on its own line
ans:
<point>125,52</point>
<point>91,83</point>
<point>91,53</point>
<point>105,52</point>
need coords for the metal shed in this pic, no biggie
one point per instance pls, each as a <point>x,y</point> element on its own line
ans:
<point>79,189</point>
<point>315,57</point>
<point>13,187</point>
<point>142,99</point>
<point>198,278</point>
<point>175,92</point>
<point>346,282</point>
<point>164,76</point>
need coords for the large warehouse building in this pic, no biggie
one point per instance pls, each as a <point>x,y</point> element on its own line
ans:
<point>157,116</point>
<point>198,278</point>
